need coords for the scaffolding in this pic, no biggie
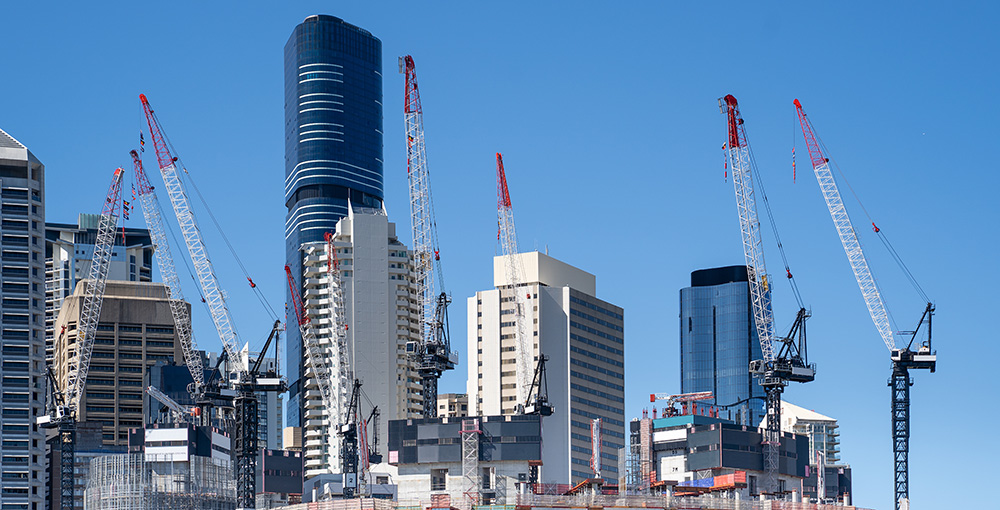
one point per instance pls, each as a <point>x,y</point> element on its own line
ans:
<point>148,482</point>
<point>470,462</point>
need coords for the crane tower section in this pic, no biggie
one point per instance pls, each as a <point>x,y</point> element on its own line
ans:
<point>168,272</point>
<point>433,353</point>
<point>193,239</point>
<point>507,236</point>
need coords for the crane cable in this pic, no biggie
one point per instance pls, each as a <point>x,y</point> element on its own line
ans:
<point>260,296</point>
<point>774,227</point>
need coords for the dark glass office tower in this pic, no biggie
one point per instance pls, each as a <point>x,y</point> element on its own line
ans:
<point>718,341</point>
<point>333,143</point>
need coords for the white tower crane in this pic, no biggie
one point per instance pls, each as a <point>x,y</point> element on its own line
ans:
<point>903,358</point>
<point>168,272</point>
<point>524,344</point>
<point>789,364</point>
<point>65,405</point>
<point>433,353</point>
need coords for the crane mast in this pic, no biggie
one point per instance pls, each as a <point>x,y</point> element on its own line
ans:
<point>773,371</point>
<point>904,358</point>
<point>433,354</point>
<point>168,272</point>
<point>515,279</point>
<point>64,407</point>
<point>192,237</point>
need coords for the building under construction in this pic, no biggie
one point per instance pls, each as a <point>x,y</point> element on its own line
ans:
<point>177,467</point>
<point>135,481</point>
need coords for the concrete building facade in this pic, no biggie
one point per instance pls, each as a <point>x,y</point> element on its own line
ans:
<point>718,341</point>
<point>22,373</point>
<point>680,449</point>
<point>584,339</point>
<point>453,405</point>
<point>333,146</point>
<point>69,251</point>
<point>429,455</point>
<point>380,316</point>
<point>134,332</point>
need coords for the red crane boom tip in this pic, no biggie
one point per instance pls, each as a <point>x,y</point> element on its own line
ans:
<point>797,103</point>
<point>730,100</point>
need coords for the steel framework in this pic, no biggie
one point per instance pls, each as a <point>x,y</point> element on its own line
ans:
<point>515,279</point>
<point>904,358</point>
<point>470,462</point>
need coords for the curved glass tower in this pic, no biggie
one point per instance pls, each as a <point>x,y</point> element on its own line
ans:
<point>333,143</point>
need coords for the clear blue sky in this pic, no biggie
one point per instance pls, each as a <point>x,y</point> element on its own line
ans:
<point>607,118</point>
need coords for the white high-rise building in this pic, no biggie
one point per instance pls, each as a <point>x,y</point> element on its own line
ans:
<point>22,390</point>
<point>583,337</point>
<point>380,316</point>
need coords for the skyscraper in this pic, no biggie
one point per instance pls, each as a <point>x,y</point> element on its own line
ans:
<point>333,144</point>
<point>584,338</point>
<point>718,341</point>
<point>22,390</point>
<point>69,250</point>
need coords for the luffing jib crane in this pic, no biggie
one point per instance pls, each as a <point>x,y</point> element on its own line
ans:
<point>247,384</point>
<point>168,272</point>
<point>177,411</point>
<point>523,342</point>
<point>790,362</point>
<point>903,359</point>
<point>65,402</point>
<point>433,353</point>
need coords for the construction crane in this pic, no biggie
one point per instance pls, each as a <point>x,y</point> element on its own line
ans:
<point>65,402</point>
<point>523,346</point>
<point>537,401</point>
<point>168,273</point>
<point>342,369</point>
<point>433,353</point>
<point>349,442</point>
<point>177,411</point>
<point>682,398</point>
<point>790,362</point>
<point>246,385</point>
<point>316,359</point>
<point>903,359</point>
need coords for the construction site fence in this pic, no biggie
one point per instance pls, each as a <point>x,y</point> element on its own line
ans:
<point>525,501</point>
<point>665,502</point>
<point>346,504</point>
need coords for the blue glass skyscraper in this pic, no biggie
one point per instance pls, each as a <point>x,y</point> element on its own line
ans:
<point>333,144</point>
<point>718,341</point>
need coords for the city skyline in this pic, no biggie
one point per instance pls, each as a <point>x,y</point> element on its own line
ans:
<point>615,89</point>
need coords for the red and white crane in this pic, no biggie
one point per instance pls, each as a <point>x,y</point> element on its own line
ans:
<point>65,404</point>
<point>433,352</point>
<point>524,344</point>
<point>168,272</point>
<point>247,382</point>
<point>789,363</point>
<point>903,358</point>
